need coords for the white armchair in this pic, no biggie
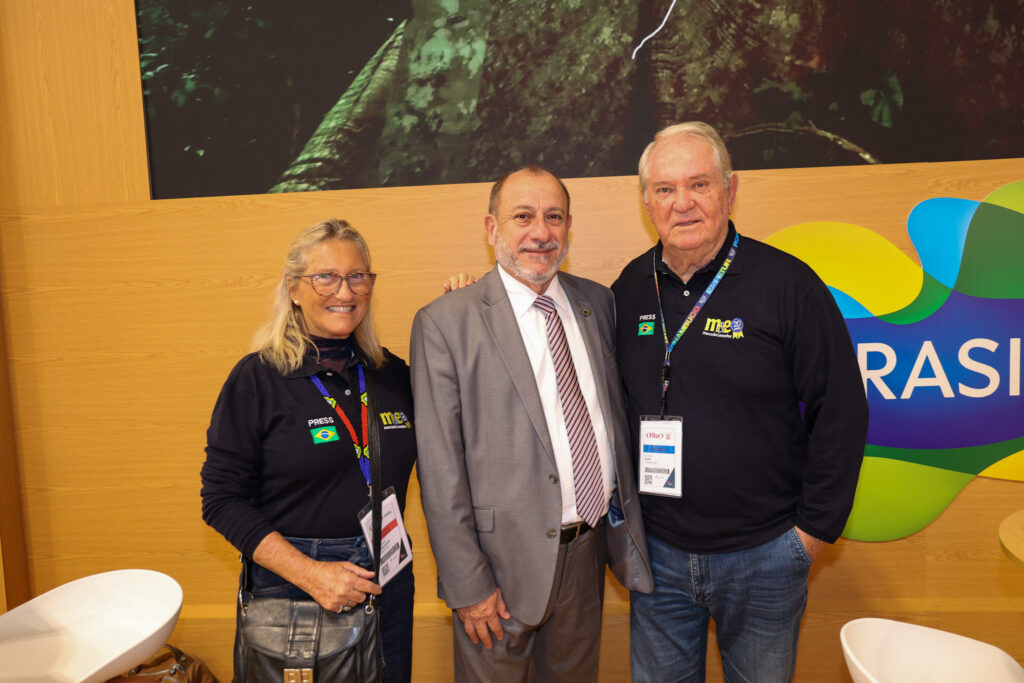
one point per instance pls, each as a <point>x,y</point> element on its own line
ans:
<point>884,651</point>
<point>90,629</point>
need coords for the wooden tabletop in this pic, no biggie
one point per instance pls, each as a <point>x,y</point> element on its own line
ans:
<point>1011,536</point>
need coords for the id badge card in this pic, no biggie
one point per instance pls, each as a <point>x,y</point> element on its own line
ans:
<point>395,551</point>
<point>661,456</point>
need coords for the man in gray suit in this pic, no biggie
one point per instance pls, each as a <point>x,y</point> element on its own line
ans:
<point>524,462</point>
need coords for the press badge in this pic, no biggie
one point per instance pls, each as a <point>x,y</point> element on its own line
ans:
<point>395,551</point>
<point>661,456</point>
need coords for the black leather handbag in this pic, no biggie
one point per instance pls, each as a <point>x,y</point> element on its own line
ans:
<point>298,641</point>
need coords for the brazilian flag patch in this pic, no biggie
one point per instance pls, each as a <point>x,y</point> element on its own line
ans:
<point>324,434</point>
<point>645,330</point>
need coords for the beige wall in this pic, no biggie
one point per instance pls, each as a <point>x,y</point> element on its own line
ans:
<point>114,366</point>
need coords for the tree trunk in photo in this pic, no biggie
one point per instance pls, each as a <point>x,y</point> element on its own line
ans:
<point>467,93</point>
<point>497,86</point>
<point>558,89</point>
<point>426,136</point>
<point>341,152</point>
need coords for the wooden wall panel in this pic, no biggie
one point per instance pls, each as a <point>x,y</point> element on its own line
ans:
<point>115,365</point>
<point>14,578</point>
<point>71,122</point>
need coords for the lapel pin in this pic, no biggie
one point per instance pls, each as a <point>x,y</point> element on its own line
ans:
<point>585,312</point>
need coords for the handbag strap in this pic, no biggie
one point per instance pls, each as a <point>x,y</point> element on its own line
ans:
<point>376,485</point>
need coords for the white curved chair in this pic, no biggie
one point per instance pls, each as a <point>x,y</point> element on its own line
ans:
<point>884,651</point>
<point>90,629</point>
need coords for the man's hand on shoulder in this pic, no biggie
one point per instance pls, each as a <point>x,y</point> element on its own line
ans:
<point>458,282</point>
<point>482,619</point>
<point>811,544</point>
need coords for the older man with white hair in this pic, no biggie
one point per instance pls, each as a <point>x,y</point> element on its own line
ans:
<point>748,417</point>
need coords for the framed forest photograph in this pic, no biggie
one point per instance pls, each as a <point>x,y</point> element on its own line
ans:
<point>273,96</point>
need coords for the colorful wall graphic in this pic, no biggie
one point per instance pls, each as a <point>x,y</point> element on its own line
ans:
<point>939,348</point>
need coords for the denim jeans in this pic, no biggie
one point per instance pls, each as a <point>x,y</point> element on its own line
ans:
<point>395,602</point>
<point>756,597</point>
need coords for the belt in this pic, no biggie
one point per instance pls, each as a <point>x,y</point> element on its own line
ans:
<point>570,532</point>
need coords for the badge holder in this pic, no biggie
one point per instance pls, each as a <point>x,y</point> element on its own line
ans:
<point>660,465</point>
<point>395,549</point>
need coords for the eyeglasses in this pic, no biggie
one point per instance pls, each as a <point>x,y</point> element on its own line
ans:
<point>326,284</point>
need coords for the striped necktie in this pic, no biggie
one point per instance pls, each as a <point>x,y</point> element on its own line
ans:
<point>586,468</point>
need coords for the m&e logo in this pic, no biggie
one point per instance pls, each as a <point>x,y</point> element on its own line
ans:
<point>725,329</point>
<point>395,420</point>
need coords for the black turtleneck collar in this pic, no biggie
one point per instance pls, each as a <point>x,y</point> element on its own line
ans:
<point>335,354</point>
<point>335,349</point>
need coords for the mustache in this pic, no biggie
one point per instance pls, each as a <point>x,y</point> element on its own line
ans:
<point>539,246</point>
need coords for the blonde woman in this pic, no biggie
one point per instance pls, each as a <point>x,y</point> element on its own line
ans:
<point>282,481</point>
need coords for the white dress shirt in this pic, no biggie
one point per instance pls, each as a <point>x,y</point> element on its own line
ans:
<point>533,329</point>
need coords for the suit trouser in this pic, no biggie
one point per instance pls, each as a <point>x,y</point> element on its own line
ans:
<point>564,645</point>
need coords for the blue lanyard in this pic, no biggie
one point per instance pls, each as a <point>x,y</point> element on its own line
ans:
<point>362,451</point>
<point>665,369</point>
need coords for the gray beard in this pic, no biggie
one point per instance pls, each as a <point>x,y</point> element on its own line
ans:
<point>506,256</point>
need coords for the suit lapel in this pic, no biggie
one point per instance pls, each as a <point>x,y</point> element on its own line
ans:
<point>499,319</point>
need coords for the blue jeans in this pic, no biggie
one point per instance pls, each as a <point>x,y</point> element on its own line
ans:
<point>756,597</point>
<point>395,601</point>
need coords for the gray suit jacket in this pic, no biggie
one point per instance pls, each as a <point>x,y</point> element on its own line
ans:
<point>486,467</point>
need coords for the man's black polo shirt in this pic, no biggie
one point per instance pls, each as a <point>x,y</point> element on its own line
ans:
<point>767,383</point>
